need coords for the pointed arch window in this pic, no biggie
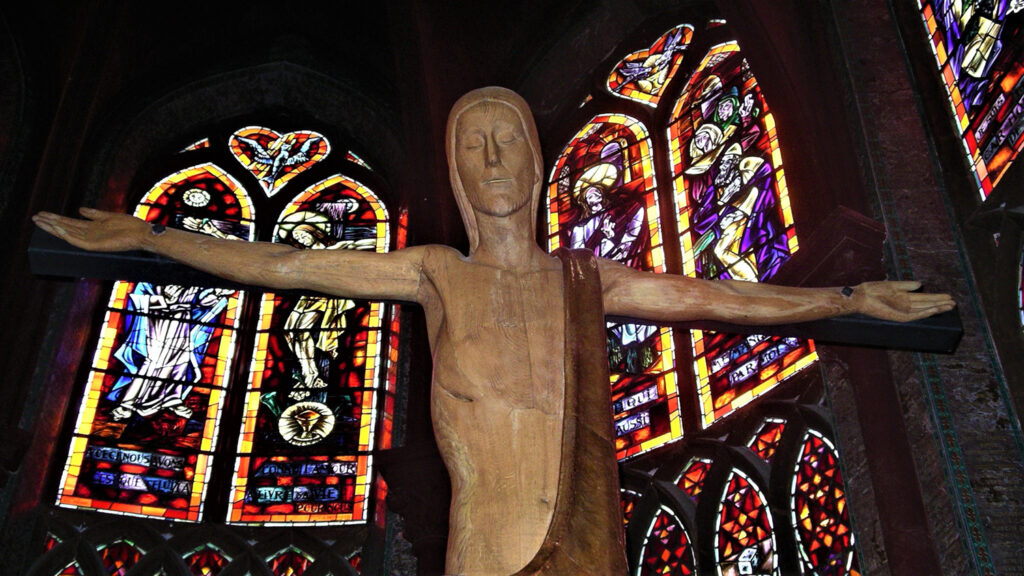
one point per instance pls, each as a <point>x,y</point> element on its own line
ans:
<point>979,50</point>
<point>679,169</point>
<point>312,377</point>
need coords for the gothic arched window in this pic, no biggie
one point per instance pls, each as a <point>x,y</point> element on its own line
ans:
<point>979,49</point>
<point>679,169</point>
<point>310,376</point>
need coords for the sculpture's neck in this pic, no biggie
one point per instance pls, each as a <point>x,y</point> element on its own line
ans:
<point>507,242</point>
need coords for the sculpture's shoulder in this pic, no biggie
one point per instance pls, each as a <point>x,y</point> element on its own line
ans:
<point>440,263</point>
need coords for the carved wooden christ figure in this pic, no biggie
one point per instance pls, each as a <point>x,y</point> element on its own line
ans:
<point>520,387</point>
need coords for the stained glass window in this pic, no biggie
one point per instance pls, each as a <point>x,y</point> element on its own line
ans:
<point>734,220</point>
<point>766,440</point>
<point>691,480</point>
<point>745,538</point>
<point>310,410</point>
<point>603,198</point>
<point>119,557</point>
<point>628,499</point>
<point>667,549</point>
<point>289,562</point>
<point>819,513</point>
<point>276,158</point>
<point>207,560</point>
<point>979,49</point>
<point>643,76</point>
<point>149,419</point>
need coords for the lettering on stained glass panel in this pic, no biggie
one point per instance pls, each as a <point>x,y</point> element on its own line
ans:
<point>148,422</point>
<point>734,220</point>
<point>979,49</point>
<point>602,197</point>
<point>310,410</point>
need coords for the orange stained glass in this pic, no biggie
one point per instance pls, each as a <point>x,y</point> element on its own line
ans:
<point>149,419</point>
<point>766,440</point>
<point>744,528</point>
<point>308,431</point>
<point>602,197</point>
<point>691,479</point>
<point>643,75</point>
<point>735,221</point>
<point>818,511</point>
<point>979,54</point>
<point>274,158</point>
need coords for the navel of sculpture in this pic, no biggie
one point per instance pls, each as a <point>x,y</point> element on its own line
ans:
<point>520,386</point>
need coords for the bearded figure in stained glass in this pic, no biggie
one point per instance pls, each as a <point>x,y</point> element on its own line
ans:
<point>736,218</point>
<point>168,331</point>
<point>610,225</point>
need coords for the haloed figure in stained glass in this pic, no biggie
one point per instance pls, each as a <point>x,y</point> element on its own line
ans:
<point>614,228</point>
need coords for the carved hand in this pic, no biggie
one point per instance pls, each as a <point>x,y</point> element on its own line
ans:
<point>898,301</point>
<point>103,231</point>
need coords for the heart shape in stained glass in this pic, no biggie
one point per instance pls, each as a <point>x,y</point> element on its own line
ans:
<point>275,158</point>
<point>643,75</point>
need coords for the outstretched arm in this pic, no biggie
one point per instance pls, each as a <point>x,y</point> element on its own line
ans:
<point>351,273</point>
<point>665,297</point>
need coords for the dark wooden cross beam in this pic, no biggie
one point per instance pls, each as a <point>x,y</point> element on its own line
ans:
<point>50,256</point>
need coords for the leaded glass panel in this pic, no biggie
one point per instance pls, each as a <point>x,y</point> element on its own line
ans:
<point>734,220</point>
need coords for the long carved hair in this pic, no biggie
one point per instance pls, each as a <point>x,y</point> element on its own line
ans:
<point>509,98</point>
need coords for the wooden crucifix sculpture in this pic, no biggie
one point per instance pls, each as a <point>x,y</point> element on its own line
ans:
<point>520,395</point>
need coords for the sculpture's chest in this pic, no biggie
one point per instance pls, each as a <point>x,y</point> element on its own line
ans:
<point>503,332</point>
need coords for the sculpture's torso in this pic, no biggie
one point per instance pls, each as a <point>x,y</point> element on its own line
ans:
<point>497,404</point>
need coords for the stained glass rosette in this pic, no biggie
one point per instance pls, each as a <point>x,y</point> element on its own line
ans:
<point>602,197</point>
<point>735,222</point>
<point>643,75</point>
<point>310,407</point>
<point>147,426</point>
<point>979,50</point>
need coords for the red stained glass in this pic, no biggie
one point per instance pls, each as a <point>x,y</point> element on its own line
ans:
<point>735,221</point>
<point>275,158</point>
<point>318,362</point>
<point>50,543</point>
<point>356,560</point>
<point>71,570</point>
<point>149,420</point>
<point>602,197</point>
<point>745,542</point>
<point>667,549</point>
<point>643,75</point>
<point>119,557</point>
<point>289,562</point>
<point>628,499</point>
<point>766,441</point>
<point>207,561</point>
<point>979,50</point>
<point>691,481</point>
<point>820,516</point>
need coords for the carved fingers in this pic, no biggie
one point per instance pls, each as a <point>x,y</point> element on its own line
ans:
<point>897,301</point>
<point>103,231</point>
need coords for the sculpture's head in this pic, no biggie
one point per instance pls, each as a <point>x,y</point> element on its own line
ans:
<point>494,160</point>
